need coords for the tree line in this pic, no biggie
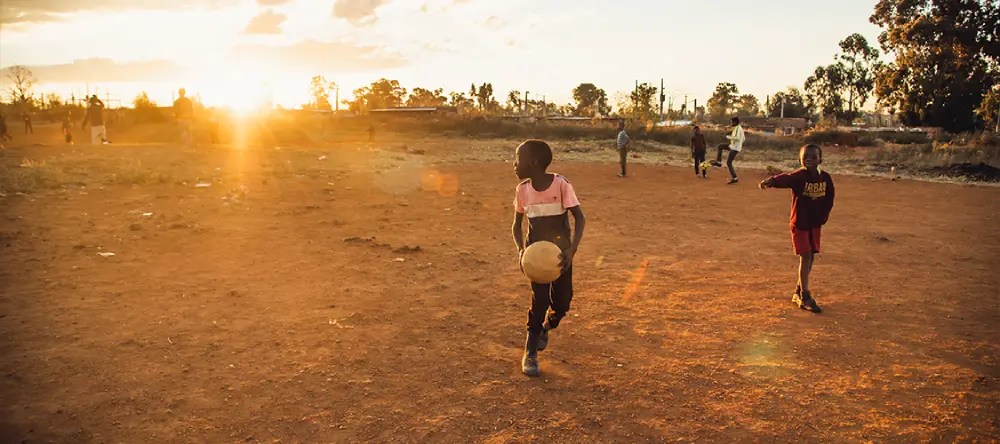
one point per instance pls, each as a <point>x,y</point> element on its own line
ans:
<point>944,72</point>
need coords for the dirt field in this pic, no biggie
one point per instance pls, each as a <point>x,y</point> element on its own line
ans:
<point>298,308</point>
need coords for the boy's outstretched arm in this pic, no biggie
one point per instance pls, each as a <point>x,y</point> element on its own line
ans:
<point>579,222</point>
<point>786,180</point>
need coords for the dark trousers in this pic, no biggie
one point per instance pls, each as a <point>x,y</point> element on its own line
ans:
<point>699,157</point>
<point>729,159</point>
<point>556,296</point>
<point>28,129</point>
<point>623,157</point>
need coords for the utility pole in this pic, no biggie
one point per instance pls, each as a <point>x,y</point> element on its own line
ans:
<point>694,111</point>
<point>782,107</point>
<point>635,101</point>
<point>526,103</point>
<point>684,108</point>
<point>336,97</point>
<point>767,106</point>
<point>545,112</point>
<point>661,100</point>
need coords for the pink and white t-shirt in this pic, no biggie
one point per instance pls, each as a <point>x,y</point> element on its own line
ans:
<point>547,210</point>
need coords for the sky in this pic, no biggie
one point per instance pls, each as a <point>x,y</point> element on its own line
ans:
<point>224,50</point>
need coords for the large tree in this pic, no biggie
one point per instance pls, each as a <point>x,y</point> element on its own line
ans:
<point>319,90</point>
<point>421,97</point>
<point>382,93</point>
<point>825,91</point>
<point>459,101</point>
<point>142,101</point>
<point>794,103</point>
<point>989,111</point>
<point>723,101</point>
<point>946,55</point>
<point>860,62</point>
<point>515,104</point>
<point>484,97</point>
<point>590,100</point>
<point>747,105</point>
<point>640,103</point>
<point>22,86</point>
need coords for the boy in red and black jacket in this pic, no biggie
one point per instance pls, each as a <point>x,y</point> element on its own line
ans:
<point>812,200</point>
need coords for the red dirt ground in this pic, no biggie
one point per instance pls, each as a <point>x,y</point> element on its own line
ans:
<point>261,320</point>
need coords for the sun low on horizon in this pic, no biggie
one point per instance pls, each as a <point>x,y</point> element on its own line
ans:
<point>223,51</point>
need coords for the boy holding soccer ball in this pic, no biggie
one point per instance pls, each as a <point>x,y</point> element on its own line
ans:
<point>546,199</point>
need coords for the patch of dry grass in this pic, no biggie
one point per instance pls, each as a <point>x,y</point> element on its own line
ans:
<point>133,172</point>
<point>30,175</point>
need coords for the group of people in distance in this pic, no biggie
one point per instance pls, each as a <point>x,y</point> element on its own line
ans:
<point>547,199</point>
<point>699,146</point>
<point>94,117</point>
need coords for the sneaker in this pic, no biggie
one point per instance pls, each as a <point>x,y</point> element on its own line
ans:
<point>806,302</point>
<point>733,181</point>
<point>543,339</point>
<point>622,175</point>
<point>716,163</point>
<point>529,364</point>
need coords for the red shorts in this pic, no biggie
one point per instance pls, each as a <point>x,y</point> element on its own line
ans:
<point>805,241</point>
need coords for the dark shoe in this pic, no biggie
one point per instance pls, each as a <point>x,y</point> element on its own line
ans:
<point>733,181</point>
<point>806,302</point>
<point>716,163</point>
<point>529,363</point>
<point>543,339</point>
<point>622,175</point>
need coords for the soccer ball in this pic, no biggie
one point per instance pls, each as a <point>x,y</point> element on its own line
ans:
<point>540,262</point>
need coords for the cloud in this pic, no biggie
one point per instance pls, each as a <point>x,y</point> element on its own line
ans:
<point>357,11</point>
<point>268,22</point>
<point>36,11</point>
<point>106,70</point>
<point>312,56</point>
<point>494,22</point>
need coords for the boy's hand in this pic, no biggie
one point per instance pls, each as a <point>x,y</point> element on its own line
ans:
<point>765,184</point>
<point>566,259</point>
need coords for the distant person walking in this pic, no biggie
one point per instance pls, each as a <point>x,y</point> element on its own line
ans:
<point>67,127</point>
<point>184,113</point>
<point>26,116</point>
<point>371,133</point>
<point>623,142</point>
<point>698,149</point>
<point>95,118</point>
